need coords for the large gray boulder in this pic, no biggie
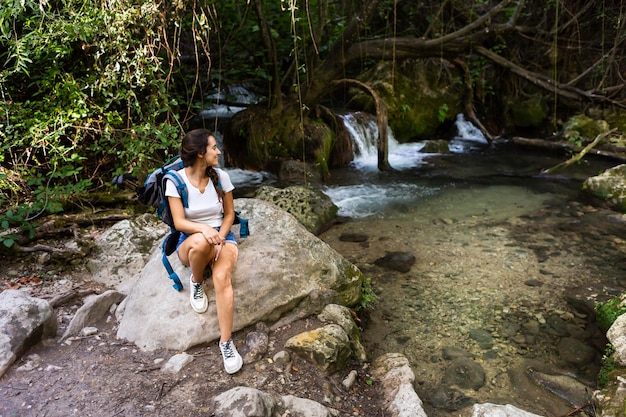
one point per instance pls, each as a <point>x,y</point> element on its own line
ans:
<point>279,265</point>
<point>24,321</point>
<point>122,251</point>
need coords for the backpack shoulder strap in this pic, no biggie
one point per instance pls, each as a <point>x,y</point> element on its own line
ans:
<point>181,187</point>
<point>168,245</point>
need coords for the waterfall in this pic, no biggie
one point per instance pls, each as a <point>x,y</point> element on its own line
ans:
<point>469,136</point>
<point>364,134</point>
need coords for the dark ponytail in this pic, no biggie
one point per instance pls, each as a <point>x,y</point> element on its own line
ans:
<point>215,179</point>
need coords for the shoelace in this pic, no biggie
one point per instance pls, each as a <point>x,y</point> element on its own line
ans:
<point>197,290</point>
<point>227,350</point>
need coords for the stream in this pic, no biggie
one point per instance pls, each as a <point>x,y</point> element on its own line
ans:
<point>500,270</point>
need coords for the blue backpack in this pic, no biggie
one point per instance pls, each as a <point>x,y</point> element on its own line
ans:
<point>152,193</point>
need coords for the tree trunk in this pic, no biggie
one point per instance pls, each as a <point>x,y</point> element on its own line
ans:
<point>381,121</point>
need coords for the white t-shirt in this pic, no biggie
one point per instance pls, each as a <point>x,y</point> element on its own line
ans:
<point>203,207</point>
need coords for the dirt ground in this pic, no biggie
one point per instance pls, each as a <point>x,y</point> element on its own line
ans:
<point>100,375</point>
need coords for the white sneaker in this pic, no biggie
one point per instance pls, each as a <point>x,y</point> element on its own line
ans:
<point>197,297</point>
<point>232,359</point>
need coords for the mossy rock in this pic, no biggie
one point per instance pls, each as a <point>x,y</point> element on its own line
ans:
<point>584,128</point>
<point>436,146</point>
<point>311,207</point>
<point>608,187</point>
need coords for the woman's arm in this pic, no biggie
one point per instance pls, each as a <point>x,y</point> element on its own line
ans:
<point>229,214</point>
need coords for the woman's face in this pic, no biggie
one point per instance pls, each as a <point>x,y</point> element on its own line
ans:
<point>212,152</point>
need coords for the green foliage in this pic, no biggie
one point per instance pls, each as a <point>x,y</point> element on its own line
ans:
<point>608,312</point>
<point>86,88</point>
<point>609,364</point>
<point>368,295</point>
<point>442,113</point>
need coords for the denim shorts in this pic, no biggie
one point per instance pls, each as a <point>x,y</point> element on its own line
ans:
<point>230,237</point>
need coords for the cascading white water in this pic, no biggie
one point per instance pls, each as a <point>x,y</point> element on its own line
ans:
<point>368,197</point>
<point>364,133</point>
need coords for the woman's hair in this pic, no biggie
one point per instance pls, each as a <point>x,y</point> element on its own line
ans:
<point>194,143</point>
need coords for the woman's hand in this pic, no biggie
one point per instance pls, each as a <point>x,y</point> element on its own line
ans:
<point>212,236</point>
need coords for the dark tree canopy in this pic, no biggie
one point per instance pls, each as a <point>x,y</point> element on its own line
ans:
<point>95,88</point>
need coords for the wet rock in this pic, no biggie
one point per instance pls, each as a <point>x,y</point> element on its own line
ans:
<point>398,261</point>
<point>453,352</point>
<point>436,146</point>
<point>575,352</point>
<point>353,237</point>
<point>563,386</point>
<point>494,410</point>
<point>482,337</point>
<point>509,329</point>
<point>556,326</point>
<point>464,373</point>
<point>447,398</point>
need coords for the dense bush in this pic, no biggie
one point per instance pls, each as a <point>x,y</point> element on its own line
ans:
<point>86,92</point>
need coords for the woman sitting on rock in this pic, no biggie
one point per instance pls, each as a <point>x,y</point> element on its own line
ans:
<point>206,238</point>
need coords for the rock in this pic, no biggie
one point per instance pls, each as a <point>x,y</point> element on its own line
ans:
<point>296,406</point>
<point>279,265</point>
<point>244,402</point>
<point>312,208</point>
<point>436,146</point>
<point>327,347</point>
<point>448,398</point>
<point>617,336</point>
<point>465,373</point>
<point>177,362</point>
<point>341,315</point>
<point>610,400</point>
<point>24,321</point>
<point>609,187</point>
<point>250,402</point>
<point>575,352</point>
<point>493,410</point>
<point>93,310</point>
<point>397,377</point>
<point>349,380</point>
<point>353,237</point>
<point>563,386</point>
<point>398,261</point>
<point>294,172</point>
<point>453,352</point>
<point>123,250</point>
<point>482,337</point>
<point>256,346</point>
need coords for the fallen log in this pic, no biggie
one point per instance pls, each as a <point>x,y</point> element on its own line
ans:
<point>580,154</point>
<point>617,154</point>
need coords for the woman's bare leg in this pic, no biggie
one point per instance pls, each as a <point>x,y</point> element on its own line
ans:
<point>224,294</point>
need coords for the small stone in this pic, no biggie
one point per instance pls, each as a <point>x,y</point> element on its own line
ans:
<point>349,380</point>
<point>89,331</point>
